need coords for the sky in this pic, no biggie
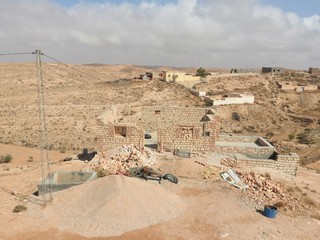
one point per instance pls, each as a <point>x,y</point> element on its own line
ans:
<point>197,33</point>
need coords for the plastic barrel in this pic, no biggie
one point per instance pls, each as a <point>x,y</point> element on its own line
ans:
<point>270,211</point>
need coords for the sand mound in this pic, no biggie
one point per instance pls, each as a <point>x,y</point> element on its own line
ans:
<point>112,205</point>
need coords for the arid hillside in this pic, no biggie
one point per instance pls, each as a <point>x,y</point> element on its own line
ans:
<point>77,94</point>
<point>289,119</point>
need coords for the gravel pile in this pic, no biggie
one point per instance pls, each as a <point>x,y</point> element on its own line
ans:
<point>112,205</point>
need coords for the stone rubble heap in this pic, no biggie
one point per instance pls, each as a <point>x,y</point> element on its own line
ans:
<point>229,162</point>
<point>265,191</point>
<point>211,174</point>
<point>126,157</point>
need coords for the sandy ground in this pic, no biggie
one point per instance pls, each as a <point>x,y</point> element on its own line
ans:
<point>214,209</point>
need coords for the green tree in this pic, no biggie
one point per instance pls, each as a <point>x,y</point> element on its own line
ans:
<point>202,73</point>
<point>174,77</point>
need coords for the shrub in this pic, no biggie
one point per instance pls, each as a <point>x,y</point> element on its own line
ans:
<point>30,159</point>
<point>19,208</point>
<point>303,138</point>
<point>291,136</point>
<point>236,116</point>
<point>6,158</point>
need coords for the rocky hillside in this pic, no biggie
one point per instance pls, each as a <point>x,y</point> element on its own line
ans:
<point>76,95</point>
<point>290,120</point>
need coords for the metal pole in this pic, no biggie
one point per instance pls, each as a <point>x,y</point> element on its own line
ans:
<point>45,164</point>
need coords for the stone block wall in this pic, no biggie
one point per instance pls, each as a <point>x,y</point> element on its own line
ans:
<point>117,135</point>
<point>285,163</point>
<point>252,151</point>
<point>187,138</point>
<point>161,116</point>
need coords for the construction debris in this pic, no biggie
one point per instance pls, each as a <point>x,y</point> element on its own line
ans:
<point>211,173</point>
<point>229,162</point>
<point>232,177</point>
<point>265,191</point>
<point>123,160</point>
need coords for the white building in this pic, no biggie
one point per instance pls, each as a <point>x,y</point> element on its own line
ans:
<point>230,99</point>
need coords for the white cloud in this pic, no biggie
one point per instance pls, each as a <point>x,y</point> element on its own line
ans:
<point>312,22</point>
<point>220,33</point>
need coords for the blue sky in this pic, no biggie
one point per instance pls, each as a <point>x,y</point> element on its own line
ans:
<point>197,33</point>
<point>301,7</point>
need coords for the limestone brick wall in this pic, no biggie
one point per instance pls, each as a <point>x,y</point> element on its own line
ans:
<point>187,138</point>
<point>285,163</point>
<point>161,116</point>
<point>117,135</point>
<point>245,150</point>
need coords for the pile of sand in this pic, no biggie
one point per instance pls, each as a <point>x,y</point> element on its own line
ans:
<point>112,205</point>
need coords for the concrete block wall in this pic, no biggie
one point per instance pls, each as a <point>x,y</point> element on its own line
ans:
<point>285,163</point>
<point>109,139</point>
<point>235,138</point>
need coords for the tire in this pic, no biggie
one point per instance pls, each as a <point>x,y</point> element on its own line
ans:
<point>170,178</point>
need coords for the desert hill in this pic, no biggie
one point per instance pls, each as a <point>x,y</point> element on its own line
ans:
<point>77,94</point>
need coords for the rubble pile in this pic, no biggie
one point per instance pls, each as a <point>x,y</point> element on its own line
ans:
<point>125,158</point>
<point>265,191</point>
<point>211,173</point>
<point>229,162</point>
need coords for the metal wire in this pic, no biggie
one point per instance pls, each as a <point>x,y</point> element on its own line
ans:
<point>11,54</point>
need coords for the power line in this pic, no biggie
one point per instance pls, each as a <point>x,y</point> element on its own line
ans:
<point>89,75</point>
<point>11,54</point>
<point>56,60</point>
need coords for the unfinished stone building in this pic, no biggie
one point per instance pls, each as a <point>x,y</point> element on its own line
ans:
<point>194,129</point>
<point>256,152</point>
<point>119,134</point>
<point>175,128</point>
<point>182,128</point>
<point>297,87</point>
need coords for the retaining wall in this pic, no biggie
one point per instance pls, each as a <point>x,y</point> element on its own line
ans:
<point>285,163</point>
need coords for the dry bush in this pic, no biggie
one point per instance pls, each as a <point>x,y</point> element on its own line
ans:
<point>6,158</point>
<point>19,208</point>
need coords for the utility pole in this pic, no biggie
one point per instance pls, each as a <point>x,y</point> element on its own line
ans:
<point>45,164</point>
